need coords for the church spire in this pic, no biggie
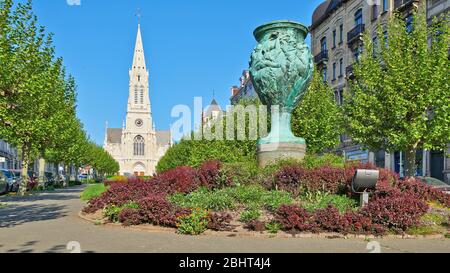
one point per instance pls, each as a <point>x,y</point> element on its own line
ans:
<point>139,57</point>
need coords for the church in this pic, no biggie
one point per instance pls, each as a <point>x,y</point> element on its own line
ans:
<point>137,146</point>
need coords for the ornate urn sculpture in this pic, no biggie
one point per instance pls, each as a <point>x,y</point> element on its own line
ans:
<point>281,68</point>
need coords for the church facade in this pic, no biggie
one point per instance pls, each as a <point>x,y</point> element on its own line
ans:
<point>137,146</point>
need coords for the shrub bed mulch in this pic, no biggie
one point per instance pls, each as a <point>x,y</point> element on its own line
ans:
<point>240,231</point>
<point>396,205</point>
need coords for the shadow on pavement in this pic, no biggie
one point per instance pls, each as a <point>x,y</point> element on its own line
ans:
<point>14,215</point>
<point>58,195</point>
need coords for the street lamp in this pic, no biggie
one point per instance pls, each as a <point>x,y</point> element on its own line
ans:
<point>363,181</point>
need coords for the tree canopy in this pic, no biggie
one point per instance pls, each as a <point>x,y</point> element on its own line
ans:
<point>37,98</point>
<point>400,98</point>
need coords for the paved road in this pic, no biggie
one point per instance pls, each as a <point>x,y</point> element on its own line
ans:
<point>47,222</point>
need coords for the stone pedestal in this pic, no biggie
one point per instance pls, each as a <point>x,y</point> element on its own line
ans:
<point>270,153</point>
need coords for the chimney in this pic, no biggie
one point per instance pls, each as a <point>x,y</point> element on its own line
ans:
<point>234,90</point>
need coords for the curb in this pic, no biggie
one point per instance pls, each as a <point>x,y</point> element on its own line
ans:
<point>252,234</point>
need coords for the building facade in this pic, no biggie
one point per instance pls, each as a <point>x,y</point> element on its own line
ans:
<point>336,31</point>
<point>137,146</point>
<point>8,156</point>
<point>245,90</point>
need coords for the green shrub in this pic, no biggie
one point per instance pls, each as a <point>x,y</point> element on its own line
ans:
<point>314,161</point>
<point>242,173</point>
<point>89,181</point>
<point>217,200</point>
<point>272,200</point>
<point>93,191</point>
<point>112,212</point>
<point>249,215</point>
<point>250,196</point>
<point>321,200</point>
<point>193,153</point>
<point>273,227</point>
<point>194,224</point>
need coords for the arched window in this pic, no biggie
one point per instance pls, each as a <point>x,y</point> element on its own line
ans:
<point>139,146</point>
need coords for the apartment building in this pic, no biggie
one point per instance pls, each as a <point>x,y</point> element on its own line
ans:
<point>336,32</point>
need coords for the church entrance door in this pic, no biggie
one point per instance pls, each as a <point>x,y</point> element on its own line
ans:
<point>139,169</point>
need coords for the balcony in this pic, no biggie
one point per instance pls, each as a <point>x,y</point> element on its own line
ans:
<point>403,5</point>
<point>322,57</point>
<point>354,34</point>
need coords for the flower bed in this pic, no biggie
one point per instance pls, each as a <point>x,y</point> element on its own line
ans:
<point>292,198</point>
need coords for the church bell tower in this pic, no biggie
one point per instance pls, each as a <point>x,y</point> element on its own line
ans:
<point>139,137</point>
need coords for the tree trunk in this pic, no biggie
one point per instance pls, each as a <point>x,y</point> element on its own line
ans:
<point>66,176</point>
<point>24,181</point>
<point>410,162</point>
<point>76,173</point>
<point>41,174</point>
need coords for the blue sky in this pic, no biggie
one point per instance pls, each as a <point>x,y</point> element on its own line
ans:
<point>192,47</point>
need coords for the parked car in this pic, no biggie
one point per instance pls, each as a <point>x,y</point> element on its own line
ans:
<point>49,179</point>
<point>435,183</point>
<point>83,176</point>
<point>10,179</point>
<point>17,180</point>
<point>3,184</point>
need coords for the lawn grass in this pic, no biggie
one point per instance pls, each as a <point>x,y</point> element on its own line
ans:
<point>432,223</point>
<point>93,191</point>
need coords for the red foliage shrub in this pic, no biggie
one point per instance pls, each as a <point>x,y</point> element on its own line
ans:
<point>220,221</point>
<point>416,187</point>
<point>120,194</point>
<point>210,176</point>
<point>288,179</point>
<point>293,218</point>
<point>181,179</point>
<point>356,223</point>
<point>157,210</point>
<point>255,225</point>
<point>397,212</point>
<point>294,179</point>
<point>328,179</point>
<point>329,219</point>
<point>130,217</point>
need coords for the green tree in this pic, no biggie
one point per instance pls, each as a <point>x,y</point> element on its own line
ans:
<point>29,77</point>
<point>194,152</point>
<point>37,100</point>
<point>400,98</point>
<point>318,118</point>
